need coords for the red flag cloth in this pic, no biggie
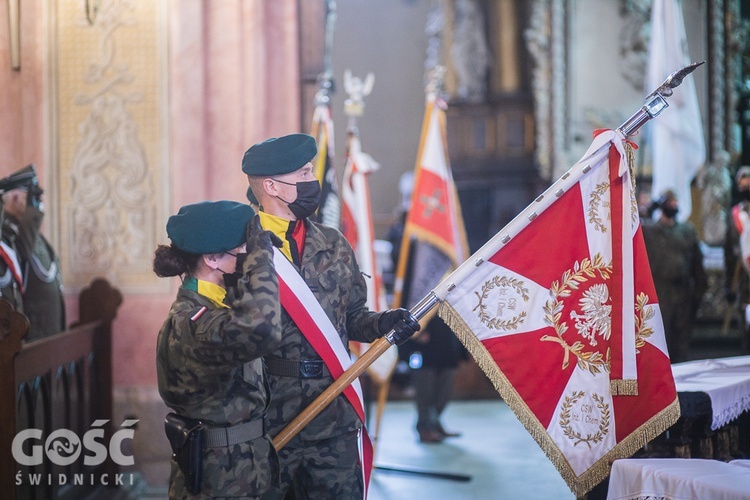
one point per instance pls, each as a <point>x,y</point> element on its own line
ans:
<point>559,310</point>
<point>434,240</point>
<point>325,171</point>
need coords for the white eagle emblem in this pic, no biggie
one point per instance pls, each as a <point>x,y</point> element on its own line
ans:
<point>596,318</point>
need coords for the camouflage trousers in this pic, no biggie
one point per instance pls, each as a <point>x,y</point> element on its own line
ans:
<point>247,470</point>
<point>326,468</point>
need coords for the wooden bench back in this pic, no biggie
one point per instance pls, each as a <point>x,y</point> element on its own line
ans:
<point>63,381</point>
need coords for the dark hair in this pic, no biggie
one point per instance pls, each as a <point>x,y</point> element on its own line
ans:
<point>171,261</point>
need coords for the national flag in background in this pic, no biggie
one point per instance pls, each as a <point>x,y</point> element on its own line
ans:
<point>356,219</point>
<point>325,171</point>
<point>559,310</point>
<point>677,143</point>
<point>434,241</point>
<point>357,227</point>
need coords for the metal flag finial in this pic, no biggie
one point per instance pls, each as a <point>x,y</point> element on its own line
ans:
<point>674,80</point>
<point>656,101</point>
<point>357,89</point>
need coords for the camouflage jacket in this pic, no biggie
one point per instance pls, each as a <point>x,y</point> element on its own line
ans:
<point>331,272</point>
<point>209,368</point>
<point>676,259</point>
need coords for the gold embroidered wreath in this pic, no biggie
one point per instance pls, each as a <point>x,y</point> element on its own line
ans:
<point>495,323</point>
<point>603,422</point>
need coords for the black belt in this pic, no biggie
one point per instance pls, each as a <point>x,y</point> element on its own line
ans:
<point>306,368</point>
<point>221,437</point>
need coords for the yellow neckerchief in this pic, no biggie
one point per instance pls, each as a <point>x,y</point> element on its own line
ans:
<point>213,292</point>
<point>279,227</point>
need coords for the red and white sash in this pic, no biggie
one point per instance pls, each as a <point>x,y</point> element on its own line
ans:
<point>11,260</point>
<point>306,312</point>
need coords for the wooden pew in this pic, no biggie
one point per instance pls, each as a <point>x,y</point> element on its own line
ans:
<point>60,382</point>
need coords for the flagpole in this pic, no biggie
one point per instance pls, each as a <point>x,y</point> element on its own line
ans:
<point>376,349</point>
<point>655,103</point>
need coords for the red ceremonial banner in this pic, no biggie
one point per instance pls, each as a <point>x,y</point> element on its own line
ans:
<point>559,310</point>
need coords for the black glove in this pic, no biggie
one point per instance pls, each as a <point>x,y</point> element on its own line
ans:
<point>231,279</point>
<point>400,320</point>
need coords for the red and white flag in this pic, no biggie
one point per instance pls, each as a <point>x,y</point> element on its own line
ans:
<point>434,241</point>
<point>356,219</point>
<point>358,228</point>
<point>559,310</point>
<point>677,144</point>
<point>325,171</point>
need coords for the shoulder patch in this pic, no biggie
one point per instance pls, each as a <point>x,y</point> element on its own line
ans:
<point>198,314</point>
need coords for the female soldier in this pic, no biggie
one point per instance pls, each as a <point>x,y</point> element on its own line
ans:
<point>208,352</point>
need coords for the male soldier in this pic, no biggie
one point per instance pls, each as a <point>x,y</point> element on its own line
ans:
<point>323,309</point>
<point>677,267</point>
<point>42,286</point>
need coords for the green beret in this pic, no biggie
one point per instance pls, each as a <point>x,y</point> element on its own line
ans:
<point>210,226</point>
<point>279,155</point>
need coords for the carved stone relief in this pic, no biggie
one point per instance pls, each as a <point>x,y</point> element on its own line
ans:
<point>111,138</point>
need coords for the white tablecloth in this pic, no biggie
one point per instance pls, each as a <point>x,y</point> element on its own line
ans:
<point>725,380</point>
<point>678,479</point>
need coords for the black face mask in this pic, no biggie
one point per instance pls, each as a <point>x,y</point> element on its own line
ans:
<point>308,197</point>
<point>669,212</point>
<point>230,279</point>
<point>745,195</point>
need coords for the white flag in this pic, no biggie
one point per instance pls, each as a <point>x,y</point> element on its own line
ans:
<point>357,227</point>
<point>677,141</point>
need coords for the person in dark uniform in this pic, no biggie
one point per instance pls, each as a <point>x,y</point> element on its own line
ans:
<point>439,353</point>
<point>321,461</point>
<point>209,366</point>
<point>434,354</point>
<point>677,267</point>
<point>42,287</point>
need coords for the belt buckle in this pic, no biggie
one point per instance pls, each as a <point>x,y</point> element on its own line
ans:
<point>311,369</point>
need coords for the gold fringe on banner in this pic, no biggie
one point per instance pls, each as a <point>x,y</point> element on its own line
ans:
<point>623,387</point>
<point>579,485</point>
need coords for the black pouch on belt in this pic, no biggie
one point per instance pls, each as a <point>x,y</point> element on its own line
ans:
<point>186,437</point>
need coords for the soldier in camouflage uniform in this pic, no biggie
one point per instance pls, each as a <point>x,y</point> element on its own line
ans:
<point>322,461</point>
<point>677,267</point>
<point>208,350</point>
